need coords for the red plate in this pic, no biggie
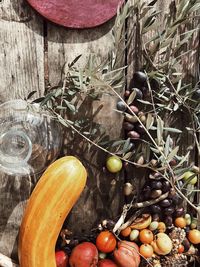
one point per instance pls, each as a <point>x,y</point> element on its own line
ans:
<point>77,13</point>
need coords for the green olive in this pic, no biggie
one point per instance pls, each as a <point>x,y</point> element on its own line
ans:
<point>113,164</point>
<point>187,176</point>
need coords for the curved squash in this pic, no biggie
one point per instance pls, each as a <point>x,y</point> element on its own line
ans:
<point>50,202</point>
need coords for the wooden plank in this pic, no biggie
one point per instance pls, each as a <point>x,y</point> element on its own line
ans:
<point>102,197</point>
<point>21,50</point>
<point>21,71</point>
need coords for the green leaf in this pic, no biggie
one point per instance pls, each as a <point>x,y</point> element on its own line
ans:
<point>159,130</point>
<point>149,121</point>
<point>173,153</point>
<point>131,97</point>
<point>167,146</point>
<point>173,130</point>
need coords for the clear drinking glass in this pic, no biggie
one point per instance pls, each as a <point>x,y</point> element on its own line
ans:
<point>30,139</point>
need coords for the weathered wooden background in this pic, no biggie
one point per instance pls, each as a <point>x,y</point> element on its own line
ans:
<point>32,53</point>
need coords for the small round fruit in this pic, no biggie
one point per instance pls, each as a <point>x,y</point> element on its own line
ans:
<point>156,184</point>
<point>165,186</point>
<point>134,234</point>
<point>61,259</point>
<point>106,242</point>
<point>133,135</point>
<point>139,77</point>
<point>188,219</point>
<point>156,217</point>
<point>187,176</point>
<point>127,93</point>
<point>139,128</point>
<point>156,209</point>
<point>161,227</point>
<point>168,220</point>
<point>165,203</point>
<point>179,212</point>
<point>153,226</point>
<point>169,211</point>
<point>146,236</point>
<point>121,106</point>
<point>146,250</point>
<point>106,263</point>
<point>180,222</point>
<point>193,224</point>
<point>126,232</point>
<point>181,249</point>
<point>134,109</point>
<point>139,94</point>
<point>113,164</point>
<point>194,236</point>
<point>156,193</point>
<point>128,126</point>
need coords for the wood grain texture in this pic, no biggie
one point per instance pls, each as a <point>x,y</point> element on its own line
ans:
<point>21,71</point>
<point>21,51</point>
<point>102,197</point>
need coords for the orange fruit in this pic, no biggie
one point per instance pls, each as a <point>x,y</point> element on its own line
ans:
<point>161,227</point>
<point>180,222</point>
<point>146,250</point>
<point>146,236</point>
<point>126,232</point>
<point>194,236</point>
<point>106,242</point>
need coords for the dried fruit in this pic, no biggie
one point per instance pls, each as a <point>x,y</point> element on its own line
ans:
<point>141,222</point>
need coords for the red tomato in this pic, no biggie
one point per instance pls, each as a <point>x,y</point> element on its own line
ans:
<point>107,263</point>
<point>106,242</point>
<point>61,259</point>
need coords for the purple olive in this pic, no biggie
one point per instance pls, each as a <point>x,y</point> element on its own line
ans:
<point>179,212</point>
<point>133,135</point>
<point>165,186</point>
<point>156,209</point>
<point>134,109</point>
<point>186,244</point>
<point>165,203</point>
<point>128,126</point>
<point>139,128</point>
<point>169,211</point>
<point>176,199</point>
<point>168,220</point>
<point>146,192</point>
<point>156,184</point>
<point>156,217</point>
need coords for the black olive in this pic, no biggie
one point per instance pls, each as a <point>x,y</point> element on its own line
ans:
<point>169,211</point>
<point>139,94</point>
<point>179,212</point>
<point>156,184</point>
<point>156,209</point>
<point>165,186</point>
<point>128,126</point>
<point>131,146</point>
<point>139,128</point>
<point>145,90</point>
<point>156,217</point>
<point>121,106</point>
<point>165,203</point>
<point>176,199</point>
<point>186,244</point>
<point>168,220</point>
<point>139,77</point>
<point>146,192</point>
